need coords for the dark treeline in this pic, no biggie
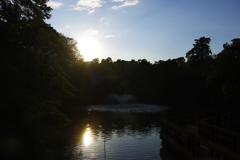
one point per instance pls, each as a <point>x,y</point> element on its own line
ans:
<point>43,75</point>
<point>36,64</point>
<point>199,78</point>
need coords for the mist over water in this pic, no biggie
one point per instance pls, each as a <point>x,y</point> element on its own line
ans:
<point>123,99</point>
<point>126,103</point>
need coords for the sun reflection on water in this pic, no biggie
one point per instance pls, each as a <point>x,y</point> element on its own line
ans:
<point>87,139</point>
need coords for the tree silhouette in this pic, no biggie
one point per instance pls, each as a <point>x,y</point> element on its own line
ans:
<point>200,51</point>
<point>27,10</point>
<point>224,75</point>
<point>41,69</point>
<point>36,60</point>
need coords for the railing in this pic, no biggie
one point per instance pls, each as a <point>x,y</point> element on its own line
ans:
<point>213,129</point>
<point>181,140</point>
<point>224,120</point>
<point>211,139</point>
<point>191,118</point>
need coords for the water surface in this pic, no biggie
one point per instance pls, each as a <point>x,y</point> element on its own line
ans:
<point>118,135</point>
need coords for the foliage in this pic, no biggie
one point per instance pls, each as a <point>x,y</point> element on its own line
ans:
<point>36,62</point>
<point>194,81</point>
<point>24,10</point>
<point>42,69</point>
<point>200,51</point>
<point>223,79</point>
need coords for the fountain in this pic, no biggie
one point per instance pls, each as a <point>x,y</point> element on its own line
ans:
<point>123,99</point>
<point>125,105</point>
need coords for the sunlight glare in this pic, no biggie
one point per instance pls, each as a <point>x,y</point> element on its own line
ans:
<point>89,48</point>
<point>87,137</point>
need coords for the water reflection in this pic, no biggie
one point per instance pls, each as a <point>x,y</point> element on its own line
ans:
<point>117,136</point>
<point>87,137</point>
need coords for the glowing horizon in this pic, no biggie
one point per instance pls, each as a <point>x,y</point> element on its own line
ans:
<point>89,48</point>
<point>145,29</point>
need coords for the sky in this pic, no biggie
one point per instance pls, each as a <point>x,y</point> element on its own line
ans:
<point>145,29</point>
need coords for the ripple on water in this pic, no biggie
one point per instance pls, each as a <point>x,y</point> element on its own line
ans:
<point>118,135</point>
<point>129,145</point>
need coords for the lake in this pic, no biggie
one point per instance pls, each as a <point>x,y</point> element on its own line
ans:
<point>117,133</point>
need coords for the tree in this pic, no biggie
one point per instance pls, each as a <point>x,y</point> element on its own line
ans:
<point>107,60</point>
<point>200,51</point>
<point>196,58</point>
<point>223,81</point>
<point>34,80</point>
<point>16,10</point>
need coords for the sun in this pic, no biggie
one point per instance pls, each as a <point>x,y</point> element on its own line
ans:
<point>89,48</point>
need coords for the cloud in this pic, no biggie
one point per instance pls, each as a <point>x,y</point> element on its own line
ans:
<point>79,8</point>
<point>91,12</point>
<point>92,32</point>
<point>90,3</point>
<point>101,20</point>
<point>118,0</point>
<point>54,4</point>
<point>87,5</point>
<point>109,36</point>
<point>69,26</point>
<point>126,3</point>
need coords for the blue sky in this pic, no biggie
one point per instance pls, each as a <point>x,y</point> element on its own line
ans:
<point>145,29</point>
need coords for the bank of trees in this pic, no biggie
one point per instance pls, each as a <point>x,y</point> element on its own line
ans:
<point>36,62</point>
<point>42,73</point>
<point>199,78</point>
